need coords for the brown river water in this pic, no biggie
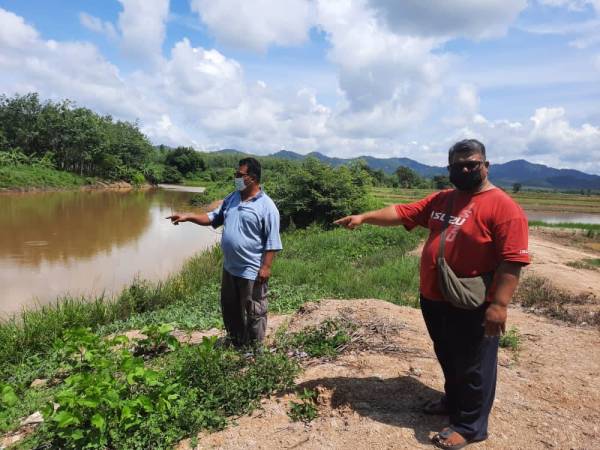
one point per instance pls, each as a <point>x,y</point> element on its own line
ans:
<point>87,243</point>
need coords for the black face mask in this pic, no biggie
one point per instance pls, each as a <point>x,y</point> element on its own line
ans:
<point>465,181</point>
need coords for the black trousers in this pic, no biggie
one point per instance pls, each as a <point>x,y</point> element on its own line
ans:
<point>244,307</point>
<point>469,362</point>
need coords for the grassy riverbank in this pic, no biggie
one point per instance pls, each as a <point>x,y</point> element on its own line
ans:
<point>22,177</point>
<point>370,262</point>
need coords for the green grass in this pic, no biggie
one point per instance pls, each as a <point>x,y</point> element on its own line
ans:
<point>570,225</point>
<point>590,230</point>
<point>539,201</point>
<point>24,177</point>
<point>587,264</point>
<point>369,262</point>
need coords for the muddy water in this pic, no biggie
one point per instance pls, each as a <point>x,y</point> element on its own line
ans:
<point>86,243</point>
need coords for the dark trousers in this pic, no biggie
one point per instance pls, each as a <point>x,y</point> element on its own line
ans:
<point>469,362</point>
<point>244,307</point>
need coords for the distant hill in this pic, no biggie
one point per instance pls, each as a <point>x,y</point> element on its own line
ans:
<point>506,174</point>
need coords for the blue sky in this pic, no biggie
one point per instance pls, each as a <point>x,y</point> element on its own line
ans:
<point>344,77</point>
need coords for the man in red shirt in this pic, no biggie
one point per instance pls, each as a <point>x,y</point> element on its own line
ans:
<point>486,233</point>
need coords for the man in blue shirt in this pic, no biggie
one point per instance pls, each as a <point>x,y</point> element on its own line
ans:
<point>250,240</point>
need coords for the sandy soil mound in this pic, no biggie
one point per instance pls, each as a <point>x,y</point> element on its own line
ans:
<point>370,395</point>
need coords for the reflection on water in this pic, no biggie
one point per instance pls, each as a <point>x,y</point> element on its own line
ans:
<point>66,226</point>
<point>557,217</point>
<point>86,243</point>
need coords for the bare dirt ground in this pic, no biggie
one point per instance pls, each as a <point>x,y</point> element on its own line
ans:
<point>548,393</point>
<point>370,396</point>
<point>551,251</point>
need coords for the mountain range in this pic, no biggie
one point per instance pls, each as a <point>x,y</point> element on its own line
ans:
<point>505,174</point>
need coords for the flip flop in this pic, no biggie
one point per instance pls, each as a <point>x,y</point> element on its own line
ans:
<point>436,407</point>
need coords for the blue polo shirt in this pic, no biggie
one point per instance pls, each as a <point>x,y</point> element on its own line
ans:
<point>249,229</point>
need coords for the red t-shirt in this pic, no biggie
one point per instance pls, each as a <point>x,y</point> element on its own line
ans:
<point>485,229</point>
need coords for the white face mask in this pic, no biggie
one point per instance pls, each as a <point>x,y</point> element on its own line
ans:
<point>239,184</point>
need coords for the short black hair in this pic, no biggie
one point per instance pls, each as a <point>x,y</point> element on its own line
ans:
<point>253,166</point>
<point>466,146</point>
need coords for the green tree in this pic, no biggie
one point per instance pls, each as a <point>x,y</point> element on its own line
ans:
<point>186,160</point>
<point>516,187</point>
<point>313,192</point>
<point>407,178</point>
<point>441,182</point>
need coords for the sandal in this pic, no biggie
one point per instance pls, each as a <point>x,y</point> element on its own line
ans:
<point>436,407</point>
<point>438,439</point>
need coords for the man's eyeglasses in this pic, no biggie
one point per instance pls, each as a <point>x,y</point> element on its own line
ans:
<point>239,174</point>
<point>469,165</point>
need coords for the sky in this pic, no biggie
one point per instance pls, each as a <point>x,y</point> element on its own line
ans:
<point>343,77</point>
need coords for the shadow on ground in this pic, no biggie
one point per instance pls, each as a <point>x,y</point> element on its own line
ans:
<point>393,401</point>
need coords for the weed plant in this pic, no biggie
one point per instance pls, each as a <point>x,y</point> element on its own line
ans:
<point>113,399</point>
<point>306,409</point>
<point>511,339</point>
<point>539,293</point>
<point>324,340</point>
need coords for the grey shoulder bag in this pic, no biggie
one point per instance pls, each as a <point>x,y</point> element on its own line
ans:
<point>465,293</point>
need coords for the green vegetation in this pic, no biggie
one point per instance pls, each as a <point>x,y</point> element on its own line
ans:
<point>590,230</point>
<point>369,263</point>
<point>586,263</point>
<point>73,139</point>
<point>325,340</point>
<point>511,339</point>
<point>530,200</point>
<point>316,193</point>
<point>111,398</point>
<point>306,409</point>
<point>20,171</point>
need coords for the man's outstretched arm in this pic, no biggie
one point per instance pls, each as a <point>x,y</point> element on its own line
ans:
<point>199,219</point>
<point>387,216</point>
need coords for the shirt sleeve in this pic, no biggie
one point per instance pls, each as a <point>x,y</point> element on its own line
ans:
<point>511,238</point>
<point>417,213</point>
<point>271,229</point>
<point>217,215</point>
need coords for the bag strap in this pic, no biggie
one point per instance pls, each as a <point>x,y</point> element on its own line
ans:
<point>446,223</point>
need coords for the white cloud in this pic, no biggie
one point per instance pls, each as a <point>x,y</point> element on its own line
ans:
<point>388,80</point>
<point>142,26</point>
<point>15,33</point>
<point>547,137</point>
<point>573,5</point>
<point>98,26</point>
<point>470,18</point>
<point>258,24</point>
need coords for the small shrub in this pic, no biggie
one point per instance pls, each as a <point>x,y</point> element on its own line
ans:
<point>306,409</point>
<point>326,340</point>
<point>158,340</point>
<point>511,339</point>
